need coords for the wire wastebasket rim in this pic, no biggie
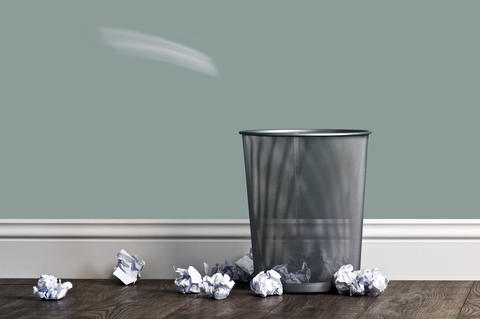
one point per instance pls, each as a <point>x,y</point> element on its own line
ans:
<point>306,132</point>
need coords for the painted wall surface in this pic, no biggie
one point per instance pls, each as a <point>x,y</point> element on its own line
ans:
<point>86,132</point>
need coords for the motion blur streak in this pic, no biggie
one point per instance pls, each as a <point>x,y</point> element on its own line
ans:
<point>148,46</point>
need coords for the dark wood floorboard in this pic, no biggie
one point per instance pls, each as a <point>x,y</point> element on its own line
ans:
<point>240,304</point>
<point>420,299</point>
<point>159,299</point>
<point>95,299</point>
<point>471,307</point>
<point>320,306</point>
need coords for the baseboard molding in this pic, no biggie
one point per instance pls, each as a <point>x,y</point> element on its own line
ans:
<point>402,248</point>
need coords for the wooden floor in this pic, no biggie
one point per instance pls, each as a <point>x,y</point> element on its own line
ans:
<point>158,299</point>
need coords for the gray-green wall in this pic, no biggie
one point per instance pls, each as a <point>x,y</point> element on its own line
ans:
<point>88,133</point>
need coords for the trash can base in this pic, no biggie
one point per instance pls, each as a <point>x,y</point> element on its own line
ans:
<point>311,287</point>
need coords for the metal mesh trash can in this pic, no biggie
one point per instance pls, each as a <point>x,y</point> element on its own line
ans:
<point>305,197</point>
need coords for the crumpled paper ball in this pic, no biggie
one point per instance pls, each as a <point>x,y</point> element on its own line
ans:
<point>217,286</point>
<point>267,284</point>
<point>188,280</point>
<point>369,282</point>
<point>245,267</point>
<point>51,288</point>
<point>128,267</point>
<point>373,280</point>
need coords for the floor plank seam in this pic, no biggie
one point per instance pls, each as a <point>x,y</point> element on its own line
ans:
<point>465,301</point>
<point>268,312</point>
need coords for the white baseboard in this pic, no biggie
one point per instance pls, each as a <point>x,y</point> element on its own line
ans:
<point>69,248</point>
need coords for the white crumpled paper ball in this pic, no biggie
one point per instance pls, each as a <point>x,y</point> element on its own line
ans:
<point>128,267</point>
<point>188,280</point>
<point>267,284</point>
<point>217,286</point>
<point>369,282</point>
<point>51,288</point>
